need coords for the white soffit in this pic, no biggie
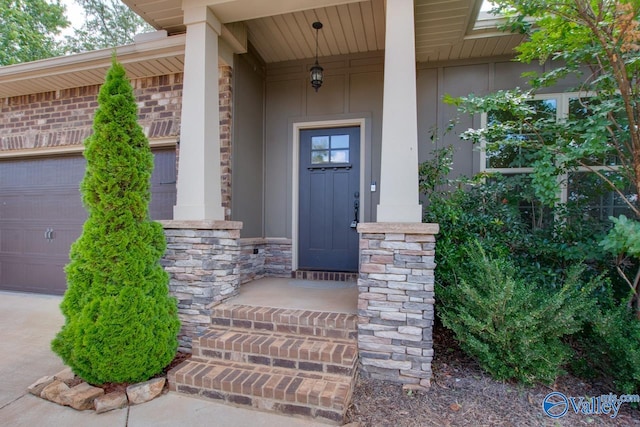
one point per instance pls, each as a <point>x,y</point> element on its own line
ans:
<point>153,58</point>
<point>280,30</point>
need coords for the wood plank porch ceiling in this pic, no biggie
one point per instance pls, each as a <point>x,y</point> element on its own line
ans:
<point>444,28</point>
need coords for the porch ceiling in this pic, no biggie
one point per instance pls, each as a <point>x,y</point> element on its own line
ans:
<point>281,30</point>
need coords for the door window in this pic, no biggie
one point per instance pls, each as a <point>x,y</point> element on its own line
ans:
<point>328,149</point>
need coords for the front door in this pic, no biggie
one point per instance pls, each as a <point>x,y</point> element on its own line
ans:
<point>329,199</point>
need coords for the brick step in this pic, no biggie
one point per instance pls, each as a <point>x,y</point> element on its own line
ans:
<point>303,352</point>
<point>285,320</point>
<point>289,391</point>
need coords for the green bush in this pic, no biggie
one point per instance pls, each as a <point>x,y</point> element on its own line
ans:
<point>121,324</point>
<point>611,347</point>
<point>501,214</point>
<point>475,211</point>
<point>513,326</point>
<point>543,245</point>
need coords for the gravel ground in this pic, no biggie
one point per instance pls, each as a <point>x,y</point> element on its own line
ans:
<point>461,394</point>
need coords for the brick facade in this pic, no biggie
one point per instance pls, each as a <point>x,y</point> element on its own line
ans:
<point>396,301</point>
<point>226,124</point>
<point>65,117</point>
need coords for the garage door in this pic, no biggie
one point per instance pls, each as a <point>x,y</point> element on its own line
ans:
<point>41,215</point>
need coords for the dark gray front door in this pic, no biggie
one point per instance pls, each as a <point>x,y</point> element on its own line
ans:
<point>329,199</point>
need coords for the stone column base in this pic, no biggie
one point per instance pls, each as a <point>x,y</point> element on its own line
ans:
<point>396,301</point>
<point>202,259</point>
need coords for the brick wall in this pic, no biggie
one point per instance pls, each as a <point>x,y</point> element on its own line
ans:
<point>65,117</point>
<point>226,152</point>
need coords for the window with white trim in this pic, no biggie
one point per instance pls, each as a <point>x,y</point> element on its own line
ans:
<point>580,185</point>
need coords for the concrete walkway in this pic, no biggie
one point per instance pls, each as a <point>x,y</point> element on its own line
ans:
<point>29,322</point>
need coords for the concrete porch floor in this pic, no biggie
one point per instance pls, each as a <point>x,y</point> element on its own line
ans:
<point>337,297</point>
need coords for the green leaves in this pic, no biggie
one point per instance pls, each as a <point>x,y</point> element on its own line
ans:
<point>121,324</point>
<point>513,327</point>
<point>624,237</point>
<point>433,173</point>
<point>28,29</point>
<point>108,23</point>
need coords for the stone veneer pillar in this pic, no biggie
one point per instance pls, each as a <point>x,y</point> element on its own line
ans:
<point>396,301</point>
<point>203,260</point>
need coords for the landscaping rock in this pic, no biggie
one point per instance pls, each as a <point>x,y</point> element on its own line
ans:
<point>146,391</point>
<point>111,401</point>
<point>81,397</point>
<point>412,388</point>
<point>52,391</point>
<point>37,387</point>
<point>65,375</point>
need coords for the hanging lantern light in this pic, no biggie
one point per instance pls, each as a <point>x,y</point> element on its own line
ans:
<point>315,73</point>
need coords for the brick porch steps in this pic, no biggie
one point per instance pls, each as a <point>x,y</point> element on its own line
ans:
<point>309,353</point>
<point>262,387</point>
<point>297,362</point>
<point>286,320</point>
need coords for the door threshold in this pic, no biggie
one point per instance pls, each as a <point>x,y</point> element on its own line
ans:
<point>338,276</point>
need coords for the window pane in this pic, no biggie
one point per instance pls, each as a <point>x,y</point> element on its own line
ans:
<point>519,193</point>
<point>340,141</point>
<point>579,108</point>
<point>591,193</point>
<point>505,156</point>
<point>319,157</point>
<point>339,156</point>
<point>514,153</point>
<point>545,108</point>
<point>319,142</point>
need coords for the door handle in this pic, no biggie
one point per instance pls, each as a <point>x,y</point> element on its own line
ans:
<point>356,207</point>
<point>48,234</point>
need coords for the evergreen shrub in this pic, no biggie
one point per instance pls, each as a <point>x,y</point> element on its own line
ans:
<point>611,346</point>
<point>511,326</point>
<point>121,324</point>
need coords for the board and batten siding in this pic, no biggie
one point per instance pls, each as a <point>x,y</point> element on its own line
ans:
<point>353,87</point>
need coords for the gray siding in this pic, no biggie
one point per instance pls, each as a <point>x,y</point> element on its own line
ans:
<point>248,145</point>
<point>353,87</point>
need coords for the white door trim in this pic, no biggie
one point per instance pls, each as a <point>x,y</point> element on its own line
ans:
<point>295,188</point>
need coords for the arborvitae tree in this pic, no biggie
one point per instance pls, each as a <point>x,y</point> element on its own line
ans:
<point>121,324</point>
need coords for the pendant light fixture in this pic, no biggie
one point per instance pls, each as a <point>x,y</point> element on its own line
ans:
<point>315,73</point>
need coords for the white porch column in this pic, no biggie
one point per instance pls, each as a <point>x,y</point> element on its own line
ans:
<point>399,169</point>
<point>198,187</point>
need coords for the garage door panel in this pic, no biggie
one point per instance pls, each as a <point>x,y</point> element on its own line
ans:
<point>10,206</point>
<point>11,240</point>
<point>41,215</point>
<point>35,275</point>
<point>35,242</point>
<point>50,172</point>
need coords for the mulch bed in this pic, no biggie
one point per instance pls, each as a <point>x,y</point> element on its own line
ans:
<point>461,394</point>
